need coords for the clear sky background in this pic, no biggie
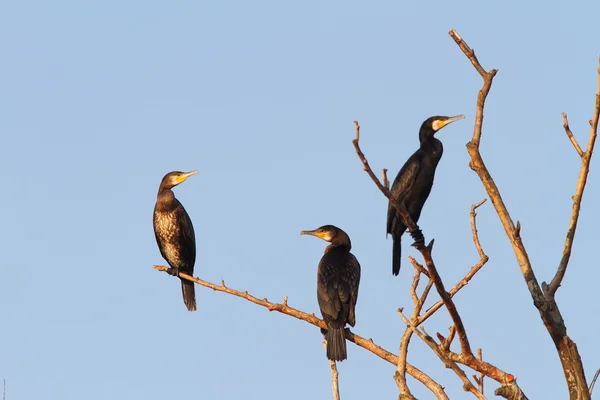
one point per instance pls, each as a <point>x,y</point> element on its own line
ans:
<point>100,99</point>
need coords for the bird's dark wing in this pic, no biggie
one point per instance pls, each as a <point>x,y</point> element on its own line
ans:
<point>402,185</point>
<point>353,278</point>
<point>187,238</point>
<point>327,290</point>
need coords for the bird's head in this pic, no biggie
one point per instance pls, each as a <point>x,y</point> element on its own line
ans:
<point>330,233</point>
<point>434,124</point>
<point>174,178</point>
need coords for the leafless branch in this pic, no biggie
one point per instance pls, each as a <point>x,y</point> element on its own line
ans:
<point>284,308</point>
<point>570,135</point>
<point>467,385</point>
<point>412,227</point>
<point>586,158</point>
<point>594,381</point>
<point>335,387</point>
<point>425,250</point>
<point>400,375</point>
<point>386,182</point>
<point>481,376</point>
<point>483,259</point>
<point>547,307</point>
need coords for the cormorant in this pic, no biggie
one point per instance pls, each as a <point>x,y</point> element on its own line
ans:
<point>414,181</point>
<point>338,278</point>
<point>175,233</point>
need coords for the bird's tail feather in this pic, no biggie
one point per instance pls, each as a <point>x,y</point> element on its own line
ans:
<point>336,344</point>
<point>189,294</point>
<point>396,255</point>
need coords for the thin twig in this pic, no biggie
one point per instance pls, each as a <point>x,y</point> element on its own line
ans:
<point>400,375</point>
<point>487,77</point>
<point>335,388</point>
<point>481,376</point>
<point>570,135</point>
<point>551,289</point>
<point>406,219</point>
<point>4,389</point>
<point>284,308</point>
<point>386,182</point>
<point>594,381</point>
<point>483,259</point>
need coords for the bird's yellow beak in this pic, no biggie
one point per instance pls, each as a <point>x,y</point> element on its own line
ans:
<point>312,233</point>
<point>181,178</point>
<point>320,233</point>
<point>440,123</point>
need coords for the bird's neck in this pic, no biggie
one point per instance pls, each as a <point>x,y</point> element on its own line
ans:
<point>165,200</point>
<point>338,247</point>
<point>432,145</point>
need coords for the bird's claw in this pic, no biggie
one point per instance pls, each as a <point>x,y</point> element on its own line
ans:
<point>418,237</point>
<point>173,272</point>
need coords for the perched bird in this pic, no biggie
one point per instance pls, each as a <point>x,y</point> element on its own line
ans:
<point>338,278</point>
<point>175,233</point>
<point>414,181</point>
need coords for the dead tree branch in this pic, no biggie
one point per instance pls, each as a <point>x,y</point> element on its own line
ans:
<point>483,259</point>
<point>586,158</point>
<point>335,386</point>
<point>412,227</point>
<point>479,379</point>
<point>467,385</point>
<point>400,375</point>
<point>283,308</point>
<point>594,381</point>
<point>570,135</point>
<point>547,307</point>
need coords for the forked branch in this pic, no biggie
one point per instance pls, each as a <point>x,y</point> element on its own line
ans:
<point>467,385</point>
<point>586,158</point>
<point>483,259</point>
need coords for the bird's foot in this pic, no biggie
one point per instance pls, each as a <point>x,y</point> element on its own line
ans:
<point>173,271</point>
<point>323,331</point>
<point>418,237</point>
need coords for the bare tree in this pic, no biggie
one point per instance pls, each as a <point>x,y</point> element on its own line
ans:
<point>543,294</point>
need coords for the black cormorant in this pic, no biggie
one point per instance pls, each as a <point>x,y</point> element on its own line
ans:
<point>175,233</point>
<point>338,278</point>
<point>414,181</point>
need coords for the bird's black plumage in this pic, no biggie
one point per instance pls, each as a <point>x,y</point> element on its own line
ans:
<point>414,181</point>
<point>338,278</point>
<point>175,234</point>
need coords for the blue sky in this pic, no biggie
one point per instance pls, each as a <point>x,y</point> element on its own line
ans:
<point>101,99</point>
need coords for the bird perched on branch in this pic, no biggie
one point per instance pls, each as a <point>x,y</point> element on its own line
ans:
<point>413,183</point>
<point>175,233</point>
<point>338,278</point>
